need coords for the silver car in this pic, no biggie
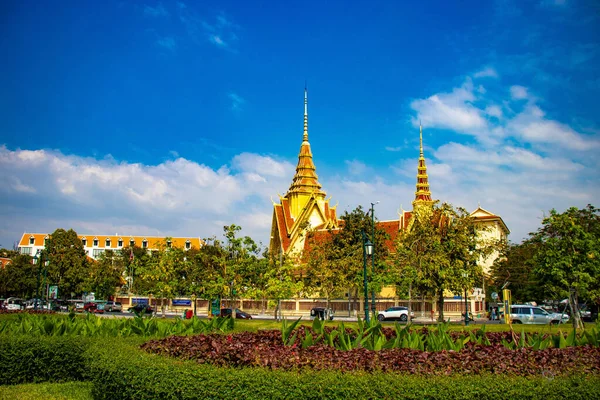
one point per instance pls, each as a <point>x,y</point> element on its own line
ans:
<point>113,306</point>
<point>527,314</point>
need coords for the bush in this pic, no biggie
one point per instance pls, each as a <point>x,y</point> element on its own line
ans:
<point>27,359</point>
<point>123,372</point>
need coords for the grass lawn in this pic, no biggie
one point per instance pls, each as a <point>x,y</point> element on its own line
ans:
<point>47,391</point>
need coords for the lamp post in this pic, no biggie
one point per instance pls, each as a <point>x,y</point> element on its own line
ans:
<point>373,306</point>
<point>367,251</point>
<point>466,275</point>
<point>37,260</point>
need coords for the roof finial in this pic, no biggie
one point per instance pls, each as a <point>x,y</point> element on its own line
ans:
<point>305,137</point>
<point>420,139</point>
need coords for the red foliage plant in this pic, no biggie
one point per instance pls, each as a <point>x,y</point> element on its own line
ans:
<point>265,349</point>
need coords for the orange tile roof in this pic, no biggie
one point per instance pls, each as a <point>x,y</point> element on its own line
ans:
<point>153,241</point>
<point>282,228</point>
<point>4,261</point>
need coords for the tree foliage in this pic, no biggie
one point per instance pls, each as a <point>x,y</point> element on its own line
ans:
<point>567,257</point>
<point>439,252</point>
<point>514,269</point>
<point>68,265</point>
<point>334,264</point>
<point>19,277</point>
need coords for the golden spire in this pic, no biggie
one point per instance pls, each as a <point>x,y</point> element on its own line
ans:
<point>306,179</point>
<point>305,137</point>
<point>422,195</point>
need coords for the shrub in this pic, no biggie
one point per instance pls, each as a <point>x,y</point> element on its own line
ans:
<point>27,359</point>
<point>125,373</point>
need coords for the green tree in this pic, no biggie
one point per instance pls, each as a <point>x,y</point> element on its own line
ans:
<point>105,275</point>
<point>280,279</point>
<point>334,263</point>
<point>163,271</point>
<point>440,252</point>
<point>68,265</point>
<point>567,258</point>
<point>19,277</point>
<point>513,269</point>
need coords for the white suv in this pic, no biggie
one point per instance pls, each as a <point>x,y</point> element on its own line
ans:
<point>396,312</point>
<point>526,314</point>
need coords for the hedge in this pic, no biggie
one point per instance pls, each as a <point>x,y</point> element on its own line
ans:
<point>126,373</point>
<point>25,359</point>
<point>119,370</point>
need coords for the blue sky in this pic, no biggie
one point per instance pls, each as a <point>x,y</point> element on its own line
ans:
<point>176,118</point>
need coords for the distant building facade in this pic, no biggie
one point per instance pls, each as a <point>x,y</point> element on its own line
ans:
<point>94,245</point>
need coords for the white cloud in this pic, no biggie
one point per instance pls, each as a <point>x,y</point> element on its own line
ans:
<point>454,110</point>
<point>356,167</point>
<point>494,111</point>
<point>518,92</point>
<point>532,126</point>
<point>216,39</point>
<point>263,165</point>
<point>487,72</point>
<point>44,190</point>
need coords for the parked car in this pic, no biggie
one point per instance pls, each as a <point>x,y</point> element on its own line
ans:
<point>141,309</point>
<point>111,306</point>
<point>14,303</point>
<point>526,314</point>
<point>58,305</point>
<point>395,313</point>
<point>90,306</point>
<point>239,314</point>
<point>99,308</point>
<point>322,313</point>
<point>32,304</point>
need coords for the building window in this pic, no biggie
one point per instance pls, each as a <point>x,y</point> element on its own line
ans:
<point>131,242</point>
<point>97,252</point>
<point>145,244</point>
<point>188,245</point>
<point>31,240</point>
<point>95,242</point>
<point>120,243</point>
<point>107,243</point>
<point>84,241</point>
<point>26,250</point>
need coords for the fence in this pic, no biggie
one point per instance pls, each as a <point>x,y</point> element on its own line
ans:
<point>295,307</point>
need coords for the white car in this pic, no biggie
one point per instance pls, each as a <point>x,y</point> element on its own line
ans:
<point>395,313</point>
<point>526,314</point>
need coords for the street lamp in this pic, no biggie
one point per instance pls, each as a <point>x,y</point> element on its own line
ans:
<point>367,251</point>
<point>38,259</point>
<point>466,275</point>
<point>37,287</point>
<point>373,306</point>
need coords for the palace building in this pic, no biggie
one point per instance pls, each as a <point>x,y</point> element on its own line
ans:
<point>94,245</point>
<point>305,207</point>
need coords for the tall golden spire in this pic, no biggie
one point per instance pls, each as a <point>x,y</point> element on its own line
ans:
<point>306,179</point>
<point>422,195</point>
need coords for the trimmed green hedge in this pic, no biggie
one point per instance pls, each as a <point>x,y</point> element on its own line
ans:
<point>126,373</point>
<point>119,370</point>
<point>25,359</point>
